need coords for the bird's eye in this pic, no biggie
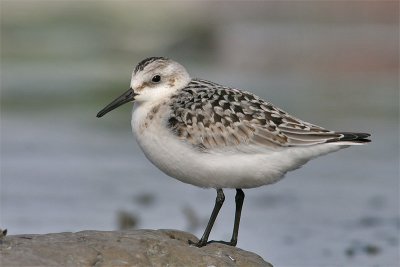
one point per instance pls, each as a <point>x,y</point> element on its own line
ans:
<point>156,79</point>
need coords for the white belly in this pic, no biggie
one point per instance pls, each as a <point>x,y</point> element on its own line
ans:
<point>217,170</point>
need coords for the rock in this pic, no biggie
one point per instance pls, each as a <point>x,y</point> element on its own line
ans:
<point>120,248</point>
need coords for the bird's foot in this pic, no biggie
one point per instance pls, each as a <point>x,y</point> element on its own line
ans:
<point>199,244</point>
<point>203,243</point>
<point>230,243</point>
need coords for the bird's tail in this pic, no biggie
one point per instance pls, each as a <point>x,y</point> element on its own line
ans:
<point>349,138</point>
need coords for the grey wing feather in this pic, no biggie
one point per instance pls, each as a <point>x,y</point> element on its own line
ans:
<point>210,116</point>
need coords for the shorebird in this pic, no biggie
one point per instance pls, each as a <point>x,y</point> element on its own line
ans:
<point>214,136</point>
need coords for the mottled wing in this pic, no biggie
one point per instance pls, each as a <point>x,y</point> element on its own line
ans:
<point>210,116</point>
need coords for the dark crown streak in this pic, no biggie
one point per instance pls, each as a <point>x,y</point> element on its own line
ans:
<point>142,64</point>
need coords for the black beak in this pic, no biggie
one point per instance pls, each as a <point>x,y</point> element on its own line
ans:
<point>126,97</point>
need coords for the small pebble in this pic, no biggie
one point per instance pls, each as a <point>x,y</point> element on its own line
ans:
<point>127,220</point>
<point>3,233</point>
<point>372,249</point>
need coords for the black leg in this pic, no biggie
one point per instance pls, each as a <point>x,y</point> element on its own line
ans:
<point>239,198</point>
<point>218,204</point>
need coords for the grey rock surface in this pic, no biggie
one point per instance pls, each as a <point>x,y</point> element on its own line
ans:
<point>120,248</point>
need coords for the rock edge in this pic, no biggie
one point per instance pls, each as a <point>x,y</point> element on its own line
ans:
<point>120,248</point>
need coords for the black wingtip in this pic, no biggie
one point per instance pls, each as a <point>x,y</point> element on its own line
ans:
<point>354,137</point>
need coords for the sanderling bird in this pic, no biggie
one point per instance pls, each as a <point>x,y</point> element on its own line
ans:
<point>213,136</point>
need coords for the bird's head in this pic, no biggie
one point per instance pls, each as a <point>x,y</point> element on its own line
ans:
<point>153,79</point>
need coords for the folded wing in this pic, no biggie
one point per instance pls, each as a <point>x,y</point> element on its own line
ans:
<point>213,117</point>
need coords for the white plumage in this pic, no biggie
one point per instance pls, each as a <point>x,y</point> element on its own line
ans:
<point>231,168</point>
<point>210,135</point>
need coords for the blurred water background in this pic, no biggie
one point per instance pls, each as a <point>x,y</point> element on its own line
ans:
<point>333,63</point>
